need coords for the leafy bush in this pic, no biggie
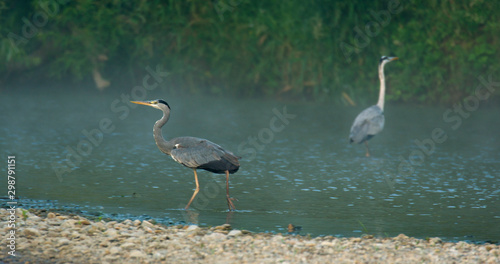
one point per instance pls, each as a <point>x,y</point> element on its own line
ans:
<point>292,49</point>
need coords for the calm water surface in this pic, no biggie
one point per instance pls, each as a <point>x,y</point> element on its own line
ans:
<point>296,169</point>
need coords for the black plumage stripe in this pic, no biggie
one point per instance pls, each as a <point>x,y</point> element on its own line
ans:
<point>163,102</point>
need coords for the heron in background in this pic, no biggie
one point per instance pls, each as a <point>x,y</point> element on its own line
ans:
<point>371,121</point>
<point>194,153</point>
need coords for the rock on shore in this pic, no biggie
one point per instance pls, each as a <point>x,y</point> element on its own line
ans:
<point>60,238</point>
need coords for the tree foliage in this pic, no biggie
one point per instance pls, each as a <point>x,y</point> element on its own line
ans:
<point>316,50</point>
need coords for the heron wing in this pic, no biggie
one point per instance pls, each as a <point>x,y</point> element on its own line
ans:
<point>203,154</point>
<point>367,124</point>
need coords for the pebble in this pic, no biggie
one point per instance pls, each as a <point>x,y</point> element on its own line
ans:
<point>63,242</point>
<point>31,232</point>
<point>62,217</point>
<point>192,228</point>
<point>68,224</point>
<point>137,254</point>
<point>111,232</point>
<point>146,223</point>
<point>85,222</point>
<point>402,237</point>
<point>234,233</point>
<point>127,246</point>
<point>215,236</point>
<point>114,250</point>
<point>327,244</point>
<point>435,240</point>
<point>223,227</point>
<point>160,254</point>
<point>147,229</point>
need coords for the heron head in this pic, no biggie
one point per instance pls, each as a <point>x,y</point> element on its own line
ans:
<point>158,104</point>
<point>386,59</point>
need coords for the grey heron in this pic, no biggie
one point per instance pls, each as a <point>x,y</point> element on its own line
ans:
<point>192,152</point>
<point>371,120</point>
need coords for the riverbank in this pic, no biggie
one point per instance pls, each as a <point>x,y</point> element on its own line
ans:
<point>64,238</point>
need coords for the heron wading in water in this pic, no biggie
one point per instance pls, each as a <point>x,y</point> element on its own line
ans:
<point>194,153</point>
<point>371,121</point>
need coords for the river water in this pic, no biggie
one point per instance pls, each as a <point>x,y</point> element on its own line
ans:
<point>433,172</point>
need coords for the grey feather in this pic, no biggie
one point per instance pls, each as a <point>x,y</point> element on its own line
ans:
<point>200,153</point>
<point>367,124</point>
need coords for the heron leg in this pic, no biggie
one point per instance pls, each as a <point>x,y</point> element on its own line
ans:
<point>367,149</point>
<point>195,191</point>
<point>229,199</point>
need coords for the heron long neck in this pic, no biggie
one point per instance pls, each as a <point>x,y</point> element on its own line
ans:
<point>165,146</point>
<point>381,95</point>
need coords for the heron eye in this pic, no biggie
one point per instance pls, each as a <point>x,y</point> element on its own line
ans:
<point>154,102</point>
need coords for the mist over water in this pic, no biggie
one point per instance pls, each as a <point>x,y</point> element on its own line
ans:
<point>298,170</point>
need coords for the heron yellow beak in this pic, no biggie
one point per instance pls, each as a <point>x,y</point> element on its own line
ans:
<point>394,58</point>
<point>141,102</point>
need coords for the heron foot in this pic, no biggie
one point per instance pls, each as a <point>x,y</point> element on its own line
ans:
<point>230,203</point>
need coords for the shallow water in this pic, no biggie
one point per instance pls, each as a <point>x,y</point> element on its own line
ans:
<point>298,169</point>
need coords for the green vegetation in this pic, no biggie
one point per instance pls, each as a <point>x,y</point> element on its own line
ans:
<point>315,50</point>
<point>25,214</point>
<point>364,227</point>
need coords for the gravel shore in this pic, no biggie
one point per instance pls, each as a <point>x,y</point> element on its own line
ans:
<point>62,238</point>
